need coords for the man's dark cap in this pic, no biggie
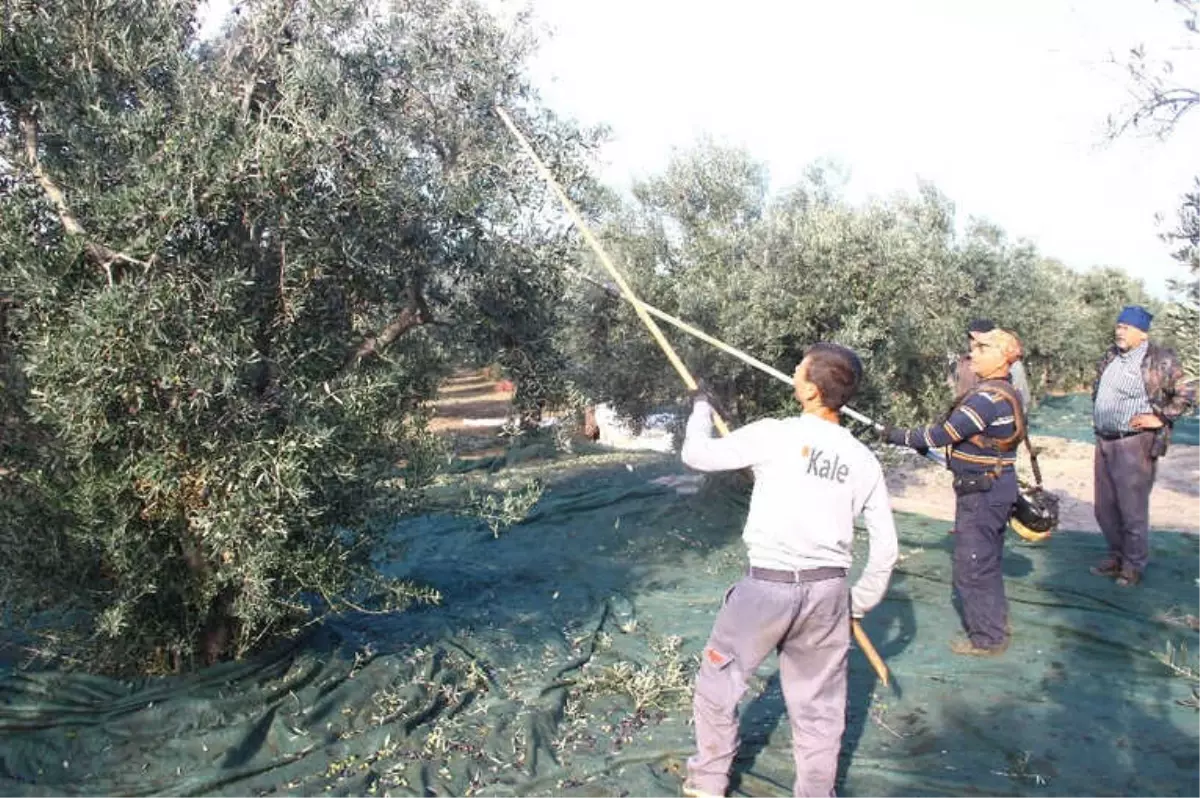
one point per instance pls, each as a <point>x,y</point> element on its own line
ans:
<point>980,326</point>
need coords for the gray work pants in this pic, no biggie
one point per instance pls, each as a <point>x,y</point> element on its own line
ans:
<point>1124,476</point>
<point>808,625</point>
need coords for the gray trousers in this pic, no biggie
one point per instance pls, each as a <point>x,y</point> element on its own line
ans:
<point>1124,476</point>
<point>808,625</point>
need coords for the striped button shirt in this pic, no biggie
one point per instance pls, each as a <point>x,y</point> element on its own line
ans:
<point>1121,394</point>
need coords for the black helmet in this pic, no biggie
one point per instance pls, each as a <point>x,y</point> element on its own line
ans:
<point>1036,513</point>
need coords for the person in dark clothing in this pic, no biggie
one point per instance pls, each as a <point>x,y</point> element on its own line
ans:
<point>982,433</point>
<point>1138,394</point>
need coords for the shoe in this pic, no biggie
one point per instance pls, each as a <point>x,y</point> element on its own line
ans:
<point>694,792</point>
<point>964,646</point>
<point>1109,566</point>
<point>1128,578</point>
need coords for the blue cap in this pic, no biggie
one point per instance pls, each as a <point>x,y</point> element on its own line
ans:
<point>1136,316</point>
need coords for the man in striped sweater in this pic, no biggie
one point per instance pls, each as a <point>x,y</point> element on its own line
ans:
<point>982,433</point>
<point>1138,394</point>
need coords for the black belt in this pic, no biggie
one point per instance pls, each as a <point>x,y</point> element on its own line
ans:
<point>796,577</point>
<point>1116,436</point>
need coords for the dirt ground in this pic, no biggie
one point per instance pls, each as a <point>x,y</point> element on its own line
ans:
<point>465,401</point>
<point>923,487</point>
<point>469,399</point>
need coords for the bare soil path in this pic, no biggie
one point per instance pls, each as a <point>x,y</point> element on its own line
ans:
<point>469,412</point>
<point>919,486</point>
<point>471,406</point>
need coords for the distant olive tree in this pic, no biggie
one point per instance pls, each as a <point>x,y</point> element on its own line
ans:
<point>770,274</point>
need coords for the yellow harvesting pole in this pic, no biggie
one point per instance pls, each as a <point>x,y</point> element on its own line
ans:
<point>611,268</point>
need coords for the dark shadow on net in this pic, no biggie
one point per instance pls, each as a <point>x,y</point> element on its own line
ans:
<point>1078,705</point>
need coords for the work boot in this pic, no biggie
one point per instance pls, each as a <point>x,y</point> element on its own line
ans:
<point>964,646</point>
<point>1128,577</point>
<point>1109,566</point>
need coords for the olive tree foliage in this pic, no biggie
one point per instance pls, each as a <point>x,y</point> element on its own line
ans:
<point>1035,297</point>
<point>1159,104</point>
<point>773,273</point>
<point>1063,317</point>
<point>1182,318</point>
<point>232,272</point>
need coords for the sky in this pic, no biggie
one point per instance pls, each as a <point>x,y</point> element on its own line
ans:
<point>1002,106</point>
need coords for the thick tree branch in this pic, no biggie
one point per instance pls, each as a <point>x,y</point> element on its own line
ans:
<point>101,255</point>
<point>29,135</point>
<point>415,314</point>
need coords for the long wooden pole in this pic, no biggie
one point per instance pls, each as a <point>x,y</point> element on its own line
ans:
<point>640,308</point>
<point>609,266</point>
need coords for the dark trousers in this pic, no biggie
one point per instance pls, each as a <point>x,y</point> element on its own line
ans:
<point>979,523</point>
<point>1124,476</point>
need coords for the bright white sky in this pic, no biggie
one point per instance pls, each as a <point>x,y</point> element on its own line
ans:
<point>1001,105</point>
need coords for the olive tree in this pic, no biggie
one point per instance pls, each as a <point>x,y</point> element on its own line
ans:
<point>233,272</point>
<point>773,272</point>
<point>1159,105</point>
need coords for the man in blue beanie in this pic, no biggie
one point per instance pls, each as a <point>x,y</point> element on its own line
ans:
<point>1138,393</point>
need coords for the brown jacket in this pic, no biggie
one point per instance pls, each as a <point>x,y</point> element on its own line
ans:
<point>1170,397</point>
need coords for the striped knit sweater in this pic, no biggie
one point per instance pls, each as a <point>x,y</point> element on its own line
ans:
<point>984,410</point>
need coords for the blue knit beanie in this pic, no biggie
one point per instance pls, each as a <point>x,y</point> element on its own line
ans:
<point>1136,316</point>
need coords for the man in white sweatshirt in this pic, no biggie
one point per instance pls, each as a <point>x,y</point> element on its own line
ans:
<point>812,478</point>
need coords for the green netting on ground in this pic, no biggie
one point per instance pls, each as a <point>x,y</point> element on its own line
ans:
<point>560,664</point>
<point>1070,417</point>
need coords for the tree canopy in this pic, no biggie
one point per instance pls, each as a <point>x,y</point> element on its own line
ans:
<point>233,272</point>
<point>773,272</point>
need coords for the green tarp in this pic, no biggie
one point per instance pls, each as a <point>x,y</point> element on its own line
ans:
<point>560,660</point>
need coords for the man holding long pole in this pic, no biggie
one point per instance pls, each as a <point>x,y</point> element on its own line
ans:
<point>712,419</point>
<point>812,478</point>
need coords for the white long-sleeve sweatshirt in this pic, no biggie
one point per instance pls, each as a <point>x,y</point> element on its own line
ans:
<point>812,478</point>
